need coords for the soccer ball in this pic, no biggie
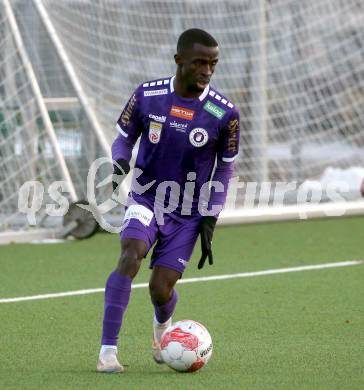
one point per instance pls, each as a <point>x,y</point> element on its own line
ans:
<point>186,346</point>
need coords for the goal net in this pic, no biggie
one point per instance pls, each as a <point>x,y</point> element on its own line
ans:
<point>294,69</point>
<point>45,136</point>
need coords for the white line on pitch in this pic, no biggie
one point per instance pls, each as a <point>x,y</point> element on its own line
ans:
<point>192,280</point>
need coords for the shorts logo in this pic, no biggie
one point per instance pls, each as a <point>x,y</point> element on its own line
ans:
<point>183,262</point>
<point>139,212</point>
<point>155,130</point>
<point>214,110</point>
<point>181,112</point>
<point>158,118</point>
<point>156,92</point>
<point>198,137</point>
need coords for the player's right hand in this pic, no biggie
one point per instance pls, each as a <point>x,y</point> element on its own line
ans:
<point>121,169</point>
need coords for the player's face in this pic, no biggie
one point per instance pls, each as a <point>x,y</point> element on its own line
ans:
<point>197,66</point>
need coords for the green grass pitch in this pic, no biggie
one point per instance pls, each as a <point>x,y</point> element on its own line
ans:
<point>299,330</point>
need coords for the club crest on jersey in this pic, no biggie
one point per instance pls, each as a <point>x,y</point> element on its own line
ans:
<point>155,130</point>
<point>198,137</point>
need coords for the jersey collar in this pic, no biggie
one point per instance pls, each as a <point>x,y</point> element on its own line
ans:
<point>201,97</point>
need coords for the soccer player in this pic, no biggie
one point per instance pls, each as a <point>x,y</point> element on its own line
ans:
<point>189,136</point>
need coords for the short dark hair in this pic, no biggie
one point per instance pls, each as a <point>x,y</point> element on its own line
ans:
<point>194,35</point>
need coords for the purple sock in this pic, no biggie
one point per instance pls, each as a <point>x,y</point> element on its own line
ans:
<point>164,312</point>
<point>117,293</point>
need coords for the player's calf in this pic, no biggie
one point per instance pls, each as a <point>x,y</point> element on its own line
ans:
<point>164,299</point>
<point>117,294</point>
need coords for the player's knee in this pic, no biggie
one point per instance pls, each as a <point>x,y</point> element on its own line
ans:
<point>129,262</point>
<point>160,292</point>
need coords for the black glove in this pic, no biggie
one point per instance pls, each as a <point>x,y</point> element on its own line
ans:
<point>121,169</point>
<point>207,226</point>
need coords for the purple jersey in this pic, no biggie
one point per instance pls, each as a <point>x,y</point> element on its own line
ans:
<point>178,135</point>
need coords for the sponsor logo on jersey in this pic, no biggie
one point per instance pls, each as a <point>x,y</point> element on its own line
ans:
<point>158,118</point>
<point>233,135</point>
<point>128,111</point>
<point>156,92</point>
<point>178,126</point>
<point>181,112</point>
<point>155,130</point>
<point>198,137</point>
<point>214,110</point>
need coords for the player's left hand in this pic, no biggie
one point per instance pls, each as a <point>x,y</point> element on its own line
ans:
<point>207,227</point>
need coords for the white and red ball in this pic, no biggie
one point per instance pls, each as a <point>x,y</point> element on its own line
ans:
<point>186,346</point>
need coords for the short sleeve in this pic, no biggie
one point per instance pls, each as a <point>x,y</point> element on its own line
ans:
<point>129,124</point>
<point>229,139</point>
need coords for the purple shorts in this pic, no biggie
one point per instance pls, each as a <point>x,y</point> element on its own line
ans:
<point>174,239</point>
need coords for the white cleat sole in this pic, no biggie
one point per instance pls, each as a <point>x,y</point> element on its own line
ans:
<point>109,369</point>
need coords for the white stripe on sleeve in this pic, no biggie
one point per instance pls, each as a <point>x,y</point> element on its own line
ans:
<point>229,159</point>
<point>121,131</point>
